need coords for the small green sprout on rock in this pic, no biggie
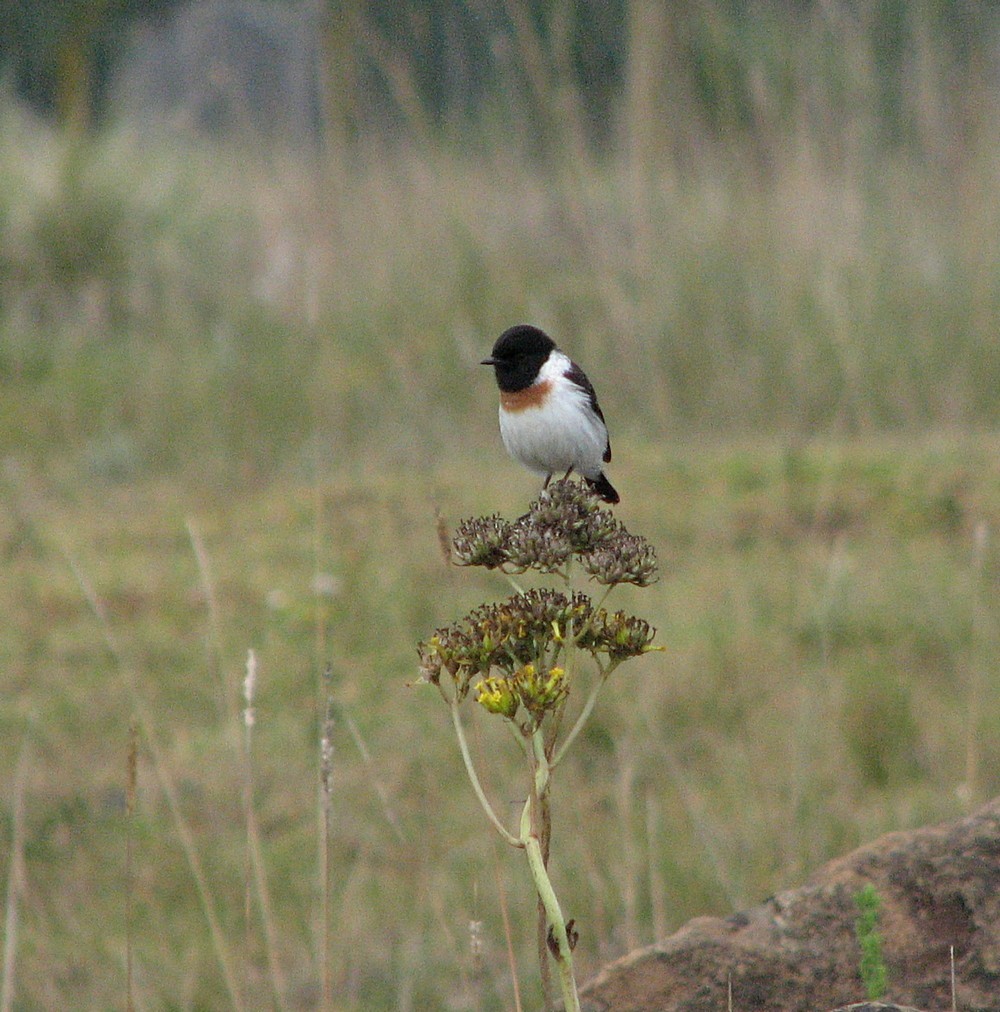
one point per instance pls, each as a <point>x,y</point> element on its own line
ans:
<point>522,660</point>
<point>874,974</point>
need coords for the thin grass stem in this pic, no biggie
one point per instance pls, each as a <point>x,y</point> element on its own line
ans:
<point>16,876</point>
<point>214,621</point>
<point>131,787</point>
<point>255,856</point>
<point>378,786</point>
<point>326,814</point>
<point>220,945</point>
<point>508,933</point>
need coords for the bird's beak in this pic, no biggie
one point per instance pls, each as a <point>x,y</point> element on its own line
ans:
<point>488,361</point>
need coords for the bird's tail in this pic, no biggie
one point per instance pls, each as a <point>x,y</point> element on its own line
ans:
<point>604,488</point>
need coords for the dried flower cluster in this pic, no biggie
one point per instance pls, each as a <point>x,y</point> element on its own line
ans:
<point>565,521</point>
<point>513,647</point>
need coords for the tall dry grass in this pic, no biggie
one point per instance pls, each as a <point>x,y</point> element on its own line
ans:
<point>814,259</point>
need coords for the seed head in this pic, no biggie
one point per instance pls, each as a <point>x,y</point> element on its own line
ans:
<point>481,541</point>
<point>565,520</point>
<point>623,558</point>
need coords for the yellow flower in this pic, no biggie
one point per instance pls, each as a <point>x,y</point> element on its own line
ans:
<point>497,696</point>
<point>540,691</point>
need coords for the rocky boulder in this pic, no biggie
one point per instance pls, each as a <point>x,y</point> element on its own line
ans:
<point>939,887</point>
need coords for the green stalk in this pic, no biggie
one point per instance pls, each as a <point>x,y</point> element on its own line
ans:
<point>546,894</point>
<point>474,779</point>
<point>584,716</point>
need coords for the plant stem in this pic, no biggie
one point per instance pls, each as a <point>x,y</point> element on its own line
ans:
<point>543,885</point>
<point>536,824</point>
<point>474,779</point>
<point>584,716</point>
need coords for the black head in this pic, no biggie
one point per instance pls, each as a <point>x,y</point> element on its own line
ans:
<point>517,356</point>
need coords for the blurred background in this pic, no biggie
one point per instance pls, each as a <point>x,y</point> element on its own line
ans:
<point>251,254</point>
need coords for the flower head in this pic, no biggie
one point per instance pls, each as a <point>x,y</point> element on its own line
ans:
<point>537,689</point>
<point>618,635</point>
<point>564,521</point>
<point>480,541</point>
<point>506,635</point>
<point>624,558</point>
<point>497,695</point>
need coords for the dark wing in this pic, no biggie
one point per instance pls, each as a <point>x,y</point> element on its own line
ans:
<point>576,375</point>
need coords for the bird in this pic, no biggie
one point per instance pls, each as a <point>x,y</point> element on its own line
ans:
<point>550,420</point>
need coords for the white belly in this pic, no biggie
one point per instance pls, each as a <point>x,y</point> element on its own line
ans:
<point>556,437</point>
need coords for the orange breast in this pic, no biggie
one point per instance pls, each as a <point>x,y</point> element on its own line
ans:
<point>530,397</point>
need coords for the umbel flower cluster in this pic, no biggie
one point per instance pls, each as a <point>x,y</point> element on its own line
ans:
<point>564,522</point>
<point>514,652</point>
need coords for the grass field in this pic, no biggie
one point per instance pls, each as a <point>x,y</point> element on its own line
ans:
<point>829,622</point>
<point>234,396</point>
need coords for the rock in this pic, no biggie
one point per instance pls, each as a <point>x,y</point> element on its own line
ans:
<point>875,1006</point>
<point>939,887</point>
